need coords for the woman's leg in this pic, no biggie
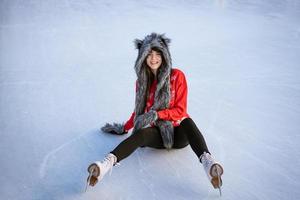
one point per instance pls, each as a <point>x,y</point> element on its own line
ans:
<point>144,137</point>
<point>188,133</point>
<point>149,137</point>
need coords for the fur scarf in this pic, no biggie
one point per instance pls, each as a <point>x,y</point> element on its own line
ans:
<point>162,93</point>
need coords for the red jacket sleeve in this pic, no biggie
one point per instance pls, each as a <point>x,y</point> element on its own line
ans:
<point>130,123</point>
<point>179,109</point>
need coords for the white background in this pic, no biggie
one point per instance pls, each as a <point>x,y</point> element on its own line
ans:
<point>66,68</point>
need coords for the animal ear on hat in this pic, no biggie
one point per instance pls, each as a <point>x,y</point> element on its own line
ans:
<point>138,43</point>
<point>165,40</point>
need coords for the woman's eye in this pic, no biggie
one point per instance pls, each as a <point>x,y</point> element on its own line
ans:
<point>154,54</point>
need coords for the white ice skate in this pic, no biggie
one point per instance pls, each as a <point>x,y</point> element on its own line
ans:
<point>98,169</point>
<point>213,170</point>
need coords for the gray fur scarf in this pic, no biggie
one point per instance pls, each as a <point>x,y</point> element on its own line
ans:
<point>162,93</point>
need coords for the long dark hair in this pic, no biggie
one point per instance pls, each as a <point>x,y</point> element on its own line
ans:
<point>150,75</point>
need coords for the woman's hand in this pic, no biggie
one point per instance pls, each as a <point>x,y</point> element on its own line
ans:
<point>115,128</point>
<point>145,119</point>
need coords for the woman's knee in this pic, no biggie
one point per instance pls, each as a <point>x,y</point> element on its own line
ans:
<point>188,122</point>
<point>189,126</point>
<point>183,133</point>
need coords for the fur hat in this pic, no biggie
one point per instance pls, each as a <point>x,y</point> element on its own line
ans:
<point>162,93</point>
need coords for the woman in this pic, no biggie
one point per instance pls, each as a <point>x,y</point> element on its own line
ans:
<point>160,118</point>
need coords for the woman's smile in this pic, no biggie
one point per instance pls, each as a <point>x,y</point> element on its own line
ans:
<point>154,61</point>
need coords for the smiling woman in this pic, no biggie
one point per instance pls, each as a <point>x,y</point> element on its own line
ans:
<point>154,60</point>
<point>160,119</point>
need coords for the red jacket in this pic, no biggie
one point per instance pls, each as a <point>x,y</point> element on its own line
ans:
<point>177,110</point>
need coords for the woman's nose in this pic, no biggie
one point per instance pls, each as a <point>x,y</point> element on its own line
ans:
<point>154,57</point>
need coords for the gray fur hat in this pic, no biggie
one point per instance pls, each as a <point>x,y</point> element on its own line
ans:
<point>162,93</point>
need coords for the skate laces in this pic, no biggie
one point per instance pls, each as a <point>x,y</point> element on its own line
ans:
<point>206,160</point>
<point>109,161</point>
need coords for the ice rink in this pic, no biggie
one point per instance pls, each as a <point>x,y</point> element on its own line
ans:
<point>67,67</point>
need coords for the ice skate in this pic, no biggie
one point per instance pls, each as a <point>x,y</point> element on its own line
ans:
<point>98,169</point>
<point>213,170</point>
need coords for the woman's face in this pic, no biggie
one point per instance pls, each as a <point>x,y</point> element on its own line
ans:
<point>154,60</point>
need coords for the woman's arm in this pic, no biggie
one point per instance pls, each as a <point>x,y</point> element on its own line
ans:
<point>129,124</point>
<point>179,109</point>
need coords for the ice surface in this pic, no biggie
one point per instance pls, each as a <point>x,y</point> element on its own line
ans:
<point>66,68</point>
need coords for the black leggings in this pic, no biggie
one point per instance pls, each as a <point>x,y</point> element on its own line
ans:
<point>184,134</point>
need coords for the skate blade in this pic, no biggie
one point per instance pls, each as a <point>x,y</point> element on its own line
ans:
<point>220,191</point>
<point>88,182</point>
